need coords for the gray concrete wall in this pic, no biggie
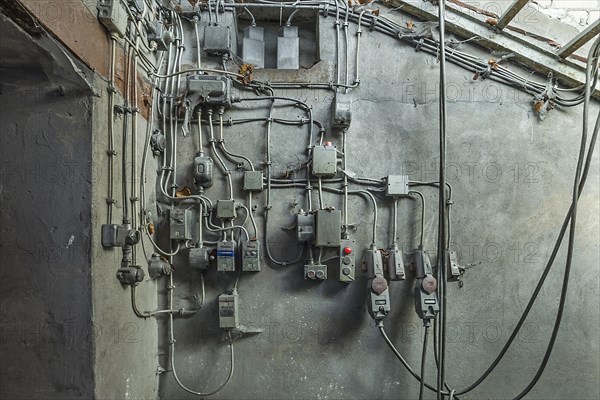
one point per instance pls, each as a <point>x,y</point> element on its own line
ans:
<point>511,176</point>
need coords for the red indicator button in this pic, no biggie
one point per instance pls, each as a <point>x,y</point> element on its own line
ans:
<point>347,250</point>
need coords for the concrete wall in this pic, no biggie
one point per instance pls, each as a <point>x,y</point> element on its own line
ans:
<point>511,176</point>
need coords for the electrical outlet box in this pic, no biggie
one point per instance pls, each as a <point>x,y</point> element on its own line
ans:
<point>226,209</point>
<point>329,228</point>
<point>212,90</point>
<point>198,258</point>
<point>251,256</point>
<point>112,14</point>
<point>180,224</point>
<point>305,225</point>
<point>341,112</point>
<point>397,185</point>
<point>347,260</point>
<point>315,272</point>
<point>217,40</point>
<point>253,181</point>
<point>324,160</point>
<point>226,256</point>
<point>229,310</point>
<point>288,48</point>
<point>253,46</point>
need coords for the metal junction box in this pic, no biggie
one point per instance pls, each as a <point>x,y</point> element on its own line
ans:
<point>217,39</point>
<point>226,209</point>
<point>288,48</point>
<point>397,185</point>
<point>229,310</point>
<point>253,181</point>
<point>113,16</point>
<point>329,228</point>
<point>324,160</point>
<point>341,111</point>
<point>305,225</point>
<point>180,224</point>
<point>253,46</point>
<point>212,90</point>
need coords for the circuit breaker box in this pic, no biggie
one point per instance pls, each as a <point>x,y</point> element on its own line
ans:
<point>229,310</point>
<point>180,224</point>
<point>329,228</point>
<point>226,256</point>
<point>324,160</point>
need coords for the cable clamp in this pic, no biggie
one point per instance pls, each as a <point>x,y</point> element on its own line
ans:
<point>284,263</point>
<point>373,22</point>
<point>111,89</point>
<point>326,10</point>
<point>134,198</point>
<point>336,23</point>
<point>135,110</point>
<point>268,207</point>
<point>110,200</point>
<point>173,186</point>
<point>230,121</point>
<point>420,44</point>
<point>170,287</point>
<point>268,163</point>
<point>166,168</point>
<point>212,140</point>
<point>269,119</point>
<point>345,24</point>
<point>449,202</point>
<point>172,341</point>
<point>111,152</point>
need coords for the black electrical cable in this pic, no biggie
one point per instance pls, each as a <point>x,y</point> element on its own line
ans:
<point>423,361</point>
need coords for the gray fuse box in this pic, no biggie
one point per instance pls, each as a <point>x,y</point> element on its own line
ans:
<point>305,224</point>
<point>329,228</point>
<point>228,310</point>
<point>180,224</point>
<point>324,160</point>
<point>341,111</point>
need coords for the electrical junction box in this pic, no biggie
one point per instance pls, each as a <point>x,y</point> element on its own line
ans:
<point>253,46</point>
<point>226,256</point>
<point>341,110</point>
<point>324,160</point>
<point>113,16</point>
<point>229,310</point>
<point>203,171</point>
<point>329,228</point>
<point>156,35</point>
<point>397,185</point>
<point>288,48</point>
<point>305,226</point>
<point>217,40</point>
<point>251,256</point>
<point>315,272</point>
<point>226,209</point>
<point>180,224</point>
<point>198,258</point>
<point>213,90</point>
<point>114,235</point>
<point>253,181</point>
<point>347,260</point>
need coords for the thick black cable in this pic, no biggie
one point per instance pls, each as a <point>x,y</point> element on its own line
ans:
<point>423,362</point>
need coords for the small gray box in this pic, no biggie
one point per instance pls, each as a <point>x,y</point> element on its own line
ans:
<point>226,256</point>
<point>251,256</point>
<point>324,160</point>
<point>341,112</point>
<point>288,48</point>
<point>329,228</point>
<point>305,224</point>
<point>253,46</point>
<point>347,260</point>
<point>228,310</point>
<point>213,90</point>
<point>112,14</point>
<point>315,272</point>
<point>226,209</point>
<point>217,39</point>
<point>253,181</point>
<point>397,185</point>
<point>180,224</point>
<point>198,257</point>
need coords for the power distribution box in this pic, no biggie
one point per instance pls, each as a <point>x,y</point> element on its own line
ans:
<point>112,14</point>
<point>288,48</point>
<point>180,224</point>
<point>324,160</point>
<point>226,209</point>
<point>347,260</point>
<point>213,90</point>
<point>329,228</point>
<point>217,39</point>
<point>226,256</point>
<point>341,110</point>
<point>251,256</point>
<point>305,224</point>
<point>397,185</point>
<point>229,310</point>
<point>315,272</point>
<point>253,46</point>
<point>253,181</point>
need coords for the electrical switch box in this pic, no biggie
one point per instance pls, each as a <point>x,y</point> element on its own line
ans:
<point>198,258</point>
<point>253,46</point>
<point>156,35</point>
<point>341,112</point>
<point>288,48</point>
<point>253,181</point>
<point>324,160</point>
<point>329,228</point>
<point>180,224</point>
<point>396,270</point>
<point>203,171</point>
<point>114,235</point>
<point>347,260</point>
<point>226,256</point>
<point>112,14</point>
<point>305,224</point>
<point>217,39</point>
<point>397,185</point>
<point>373,262</point>
<point>251,256</point>
<point>315,272</point>
<point>212,90</point>
<point>226,209</point>
<point>229,310</point>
